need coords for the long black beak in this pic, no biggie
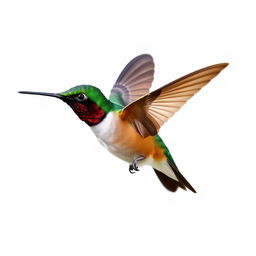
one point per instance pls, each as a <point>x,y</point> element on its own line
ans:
<point>43,94</point>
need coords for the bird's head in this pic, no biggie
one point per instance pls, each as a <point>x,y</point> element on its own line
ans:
<point>87,101</point>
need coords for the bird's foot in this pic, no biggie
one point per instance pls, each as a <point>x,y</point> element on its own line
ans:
<point>133,167</point>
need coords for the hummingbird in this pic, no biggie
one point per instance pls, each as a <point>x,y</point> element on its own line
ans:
<point>128,122</point>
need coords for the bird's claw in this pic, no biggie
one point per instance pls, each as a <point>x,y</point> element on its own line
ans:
<point>133,168</point>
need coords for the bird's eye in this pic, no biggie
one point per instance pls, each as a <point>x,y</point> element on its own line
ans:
<point>81,97</point>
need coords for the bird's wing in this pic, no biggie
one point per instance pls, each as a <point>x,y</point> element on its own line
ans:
<point>150,112</point>
<point>134,81</point>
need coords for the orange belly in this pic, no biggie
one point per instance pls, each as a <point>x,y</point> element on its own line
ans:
<point>122,140</point>
<point>129,139</point>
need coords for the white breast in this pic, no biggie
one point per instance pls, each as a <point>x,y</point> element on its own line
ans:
<point>104,130</point>
<point>106,133</point>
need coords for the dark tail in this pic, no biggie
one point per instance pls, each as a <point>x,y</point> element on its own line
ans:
<point>171,184</point>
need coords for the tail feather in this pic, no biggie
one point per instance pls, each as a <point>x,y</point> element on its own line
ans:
<point>168,183</point>
<point>171,184</point>
<point>180,177</point>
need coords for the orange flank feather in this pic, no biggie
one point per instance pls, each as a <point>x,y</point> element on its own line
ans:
<point>132,140</point>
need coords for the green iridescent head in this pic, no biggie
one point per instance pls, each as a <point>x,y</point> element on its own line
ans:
<point>90,92</point>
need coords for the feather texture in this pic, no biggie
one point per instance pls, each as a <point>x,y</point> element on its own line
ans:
<point>134,81</point>
<point>150,112</point>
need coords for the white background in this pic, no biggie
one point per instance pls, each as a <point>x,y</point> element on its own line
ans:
<point>62,193</point>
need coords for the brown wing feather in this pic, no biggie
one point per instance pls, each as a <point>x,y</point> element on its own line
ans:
<point>151,111</point>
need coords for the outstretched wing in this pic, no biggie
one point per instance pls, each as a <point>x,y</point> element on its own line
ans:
<point>134,81</point>
<point>150,112</point>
